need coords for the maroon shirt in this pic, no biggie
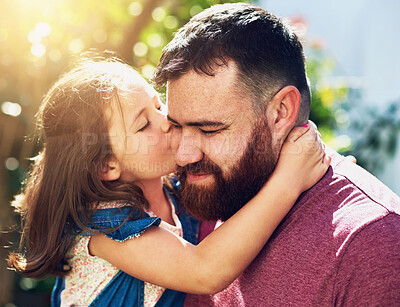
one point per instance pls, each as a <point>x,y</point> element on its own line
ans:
<point>338,246</point>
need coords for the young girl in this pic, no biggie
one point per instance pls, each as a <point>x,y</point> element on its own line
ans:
<point>98,182</point>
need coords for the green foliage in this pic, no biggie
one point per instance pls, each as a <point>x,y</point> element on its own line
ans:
<point>373,133</point>
<point>166,20</point>
<point>376,137</point>
<point>327,98</point>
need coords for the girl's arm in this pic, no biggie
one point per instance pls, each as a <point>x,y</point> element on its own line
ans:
<point>160,257</point>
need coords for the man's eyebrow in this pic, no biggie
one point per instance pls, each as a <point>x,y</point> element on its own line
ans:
<point>203,123</point>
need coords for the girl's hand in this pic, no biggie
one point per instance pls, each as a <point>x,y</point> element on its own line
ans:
<point>302,161</point>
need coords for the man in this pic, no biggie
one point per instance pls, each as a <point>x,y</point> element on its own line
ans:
<point>236,85</point>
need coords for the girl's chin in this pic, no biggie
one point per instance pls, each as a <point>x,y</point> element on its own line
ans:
<point>167,168</point>
<point>150,172</point>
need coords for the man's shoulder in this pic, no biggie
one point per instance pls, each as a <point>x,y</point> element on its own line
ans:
<point>350,198</point>
<point>351,178</point>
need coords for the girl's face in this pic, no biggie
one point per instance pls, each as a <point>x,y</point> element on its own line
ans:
<point>140,135</point>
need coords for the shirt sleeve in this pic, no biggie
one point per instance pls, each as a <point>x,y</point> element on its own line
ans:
<point>131,229</point>
<point>119,225</point>
<point>369,272</point>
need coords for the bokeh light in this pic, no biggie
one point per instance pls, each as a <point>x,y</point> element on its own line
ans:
<point>135,8</point>
<point>147,71</point>
<point>195,9</point>
<point>43,29</point>
<point>171,22</point>
<point>27,283</point>
<point>11,164</point>
<point>40,31</point>
<point>100,35</point>
<point>159,14</point>
<point>76,45</point>
<point>38,50</point>
<point>34,37</point>
<point>11,108</point>
<point>140,49</point>
<point>155,40</point>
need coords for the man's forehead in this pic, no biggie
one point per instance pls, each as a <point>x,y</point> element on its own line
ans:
<point>224,75</point>
<point>200,93</point>
<point>185,115</point>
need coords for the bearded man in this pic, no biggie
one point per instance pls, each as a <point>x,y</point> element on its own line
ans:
<point>236,86</point>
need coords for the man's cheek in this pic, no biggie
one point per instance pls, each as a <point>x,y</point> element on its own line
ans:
<point>225,147</point>
<point>174,139</point>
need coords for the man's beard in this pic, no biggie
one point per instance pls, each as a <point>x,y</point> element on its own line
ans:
<point>232,191</point>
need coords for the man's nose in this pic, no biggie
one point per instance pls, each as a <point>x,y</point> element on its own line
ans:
<point>189,150</point>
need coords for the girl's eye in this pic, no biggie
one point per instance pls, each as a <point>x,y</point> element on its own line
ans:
<point>144,127</point>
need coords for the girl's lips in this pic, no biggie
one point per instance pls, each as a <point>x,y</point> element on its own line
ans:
<point>197,177</point>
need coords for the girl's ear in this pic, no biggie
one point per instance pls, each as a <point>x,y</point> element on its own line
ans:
<point>110,171</point>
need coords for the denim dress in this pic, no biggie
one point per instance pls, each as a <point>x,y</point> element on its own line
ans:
<point>124,289</point>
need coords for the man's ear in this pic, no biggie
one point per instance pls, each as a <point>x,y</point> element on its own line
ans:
<point>110,171</point>
<point>284,108</point>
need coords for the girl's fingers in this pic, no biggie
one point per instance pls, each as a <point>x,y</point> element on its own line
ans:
<point>314,127</point>
<point>297,132</point>
<point>351,159</point>
<point>311,123</point>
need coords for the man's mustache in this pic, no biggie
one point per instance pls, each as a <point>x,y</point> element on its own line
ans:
<point>201,167</point>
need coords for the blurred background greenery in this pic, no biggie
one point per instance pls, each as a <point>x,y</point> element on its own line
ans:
<point>39,40</point>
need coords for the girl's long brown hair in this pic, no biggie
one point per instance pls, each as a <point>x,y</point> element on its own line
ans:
<point>64,181</point>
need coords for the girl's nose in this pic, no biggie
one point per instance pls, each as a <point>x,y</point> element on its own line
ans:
<point>165,126</point>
